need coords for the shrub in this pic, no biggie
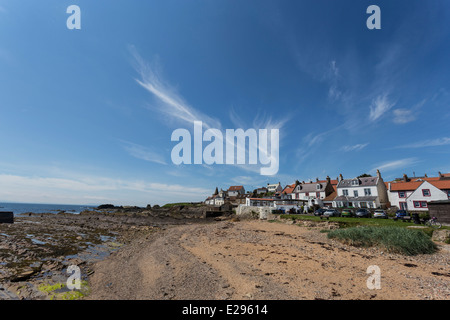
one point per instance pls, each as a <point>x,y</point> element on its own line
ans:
<point>392,239</point>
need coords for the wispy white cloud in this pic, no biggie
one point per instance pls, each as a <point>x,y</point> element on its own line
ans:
<point>247,180</point>
<point>334,69</point>
<point>355,147</point>
<point>312,142</point>
<point>426,143</point>
<point>396,164</point>
<point>88,189</point>
<point>379,107</point>
<point>143,153</point>
<point>175,107</point>
<point>334,93</point>
<point>403,115</point>
<point>172,104</point>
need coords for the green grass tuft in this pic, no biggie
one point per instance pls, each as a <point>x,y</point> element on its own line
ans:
<point>392,239</point>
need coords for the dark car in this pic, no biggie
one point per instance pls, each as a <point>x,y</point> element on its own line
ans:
<point>402,214</point>
<point>319,212</point>
<point>363,213</point>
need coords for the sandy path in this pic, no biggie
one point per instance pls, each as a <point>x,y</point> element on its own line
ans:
<point>262,260</point>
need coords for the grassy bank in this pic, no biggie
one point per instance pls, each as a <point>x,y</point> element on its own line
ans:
<point>392,239</point>
<point>392,236</point>
<point>185,204</point>
<point>354,222</point>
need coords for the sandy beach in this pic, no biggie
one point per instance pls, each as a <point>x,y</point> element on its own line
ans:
<point>263,260</point>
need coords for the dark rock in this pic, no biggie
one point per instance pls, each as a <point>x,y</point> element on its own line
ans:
<point>6,217</point>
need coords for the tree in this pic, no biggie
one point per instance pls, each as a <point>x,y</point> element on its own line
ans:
<point>364,175</point>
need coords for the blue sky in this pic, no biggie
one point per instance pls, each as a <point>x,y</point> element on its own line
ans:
<point>86,116</point>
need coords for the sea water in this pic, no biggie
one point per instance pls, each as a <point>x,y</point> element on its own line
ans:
<point>20,208</point>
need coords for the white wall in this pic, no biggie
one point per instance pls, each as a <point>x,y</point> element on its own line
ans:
<point>417,195</point>
<point>360,189</point>
<point>395,200</point>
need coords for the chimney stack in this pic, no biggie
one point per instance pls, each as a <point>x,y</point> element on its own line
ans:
<point>440,174</point>
<point>340,178</point>
<point>378,173</point>
<point>405,177</point>
<point>328,179</point>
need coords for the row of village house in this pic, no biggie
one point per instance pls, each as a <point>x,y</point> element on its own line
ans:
<point>363,192</point>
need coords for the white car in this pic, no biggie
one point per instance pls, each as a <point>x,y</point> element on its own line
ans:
<point>380,214</point>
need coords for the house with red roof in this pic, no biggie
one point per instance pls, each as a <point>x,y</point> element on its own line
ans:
<point>234,191</point>
<point>415,193</point>
<point>287,192</point>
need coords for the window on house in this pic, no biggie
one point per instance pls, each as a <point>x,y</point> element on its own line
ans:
<point>355,182</point>
<point>420,204</point>
<point>355,193</point>
<point>426,192</point>
<point>318,195</point>
<point>402,194</point>
<point>448,194</point>
<point>367,192</point>
<point>403,206</point>
<point>307,194</point>
<point>345,192</point>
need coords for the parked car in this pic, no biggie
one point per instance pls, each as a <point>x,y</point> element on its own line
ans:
<point>332,213</point>
<point>380,214</point>
<point>362,213</point>
<point>347,213</point>
<point>402,214</point>
<point>319,212</point>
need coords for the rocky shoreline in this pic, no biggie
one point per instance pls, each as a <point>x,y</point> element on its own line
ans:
<point>37,249</point>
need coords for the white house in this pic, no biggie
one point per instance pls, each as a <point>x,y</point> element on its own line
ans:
<point>209,201</point>
<point>415,195</point>
<point>217,199</point>
<point>274,187</point>
<point>313,192</point>
<point>363,192</point>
